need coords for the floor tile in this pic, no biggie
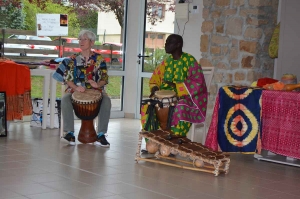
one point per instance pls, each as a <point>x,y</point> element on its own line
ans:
<point>6,193</point>
<point>88,192</point>
<point>38,164</point>
<point>28,189</point>
<point>52,195</point>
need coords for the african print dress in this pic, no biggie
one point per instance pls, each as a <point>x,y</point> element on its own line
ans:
<point>79,71</point>
<point>190,88</point>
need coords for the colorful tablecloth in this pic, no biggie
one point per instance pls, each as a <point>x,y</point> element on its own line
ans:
<point>280,124</point>
<point>237,112</point>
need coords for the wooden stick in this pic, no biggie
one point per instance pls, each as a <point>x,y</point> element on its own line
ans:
<point>189,162</point>
<point>175,165</point>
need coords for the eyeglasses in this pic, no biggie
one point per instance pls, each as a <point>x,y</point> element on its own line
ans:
<point>83,39</point>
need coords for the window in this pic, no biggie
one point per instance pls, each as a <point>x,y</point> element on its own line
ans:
<point>152,36</point>
<point>159,11</point>
<point>146,35</point>
<point>160,36</point>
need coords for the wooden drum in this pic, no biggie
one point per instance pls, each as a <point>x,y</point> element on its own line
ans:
<point>166,101</point>
<point>86,107</point>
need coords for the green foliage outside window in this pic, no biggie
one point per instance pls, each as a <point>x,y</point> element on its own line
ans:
<point>12,17</point>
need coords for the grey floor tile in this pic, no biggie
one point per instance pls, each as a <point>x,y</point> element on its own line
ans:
<point>88,192</point>
<point>112,197</point>
<point>28,189</point>
<point>64,185</point>
<point>37,164</point>
<point>145,195</point>
<point>52,195</point>
<point>6,193</point>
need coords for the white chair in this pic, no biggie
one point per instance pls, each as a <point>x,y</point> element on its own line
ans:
<point>208,75</point>
<point>63,88</point>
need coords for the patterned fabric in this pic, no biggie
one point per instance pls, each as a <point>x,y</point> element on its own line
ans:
<point>190,88</point>
<point>212,134</point>
<point>281,122</point>
<point>15,81</point>
<point>182,128</point>
<point>77,70</point>
<point>236,120</point>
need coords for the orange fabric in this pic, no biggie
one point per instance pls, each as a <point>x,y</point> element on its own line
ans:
<point>266,80</point>
<point>274,86</point>
<point>15,81</point>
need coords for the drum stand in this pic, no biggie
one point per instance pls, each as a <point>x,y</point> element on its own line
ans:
<point>188,160</point>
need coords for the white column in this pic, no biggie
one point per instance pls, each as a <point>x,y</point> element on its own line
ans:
<point>131,70</point>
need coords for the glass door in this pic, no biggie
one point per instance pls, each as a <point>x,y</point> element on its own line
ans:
<point>156,26</point>
<point>112,34</point>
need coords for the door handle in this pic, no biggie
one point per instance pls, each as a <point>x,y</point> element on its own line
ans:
<point>139,56</point>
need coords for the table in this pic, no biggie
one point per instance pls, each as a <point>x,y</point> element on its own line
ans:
<point>49,85</point>
<point>280,125</point>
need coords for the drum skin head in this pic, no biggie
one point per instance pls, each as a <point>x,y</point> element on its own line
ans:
<point>164,94</point>
<point>89,95</point>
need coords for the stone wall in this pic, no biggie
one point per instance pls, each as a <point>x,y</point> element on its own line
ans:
<point>235,40</point>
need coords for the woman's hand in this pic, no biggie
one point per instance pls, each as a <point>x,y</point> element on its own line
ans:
<point>93,83</point>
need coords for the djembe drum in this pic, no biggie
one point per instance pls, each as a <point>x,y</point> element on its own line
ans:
<point>86,107</point>
<point>166,101</point>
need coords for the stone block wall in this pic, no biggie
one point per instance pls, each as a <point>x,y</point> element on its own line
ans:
<point>235,40</point>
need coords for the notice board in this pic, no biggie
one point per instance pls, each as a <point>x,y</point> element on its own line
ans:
<point>52,24</point>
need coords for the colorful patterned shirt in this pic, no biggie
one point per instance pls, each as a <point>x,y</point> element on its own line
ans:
<point>77,70</point>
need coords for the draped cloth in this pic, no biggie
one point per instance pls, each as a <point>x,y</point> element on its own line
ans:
<point>236,120</point>
<point>15,81</point>
<point>281,122</point>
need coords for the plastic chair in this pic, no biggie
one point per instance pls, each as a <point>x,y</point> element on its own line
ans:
<point>208,75</point>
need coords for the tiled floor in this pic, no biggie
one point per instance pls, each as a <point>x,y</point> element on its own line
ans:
<point>37,164</point>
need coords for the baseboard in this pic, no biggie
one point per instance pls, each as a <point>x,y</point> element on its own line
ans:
<point>27,118</point>
<point>129,115</point>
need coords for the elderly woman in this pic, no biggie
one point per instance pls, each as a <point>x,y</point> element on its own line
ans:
<point>85,70</point>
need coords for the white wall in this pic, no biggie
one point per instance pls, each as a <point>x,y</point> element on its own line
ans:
<point>166,26</point>
<point>190,28</point>
<point>289,39</point>
<point>107,23</point>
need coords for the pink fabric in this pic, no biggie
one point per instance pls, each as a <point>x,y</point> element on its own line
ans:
<point>212,134</point>
<point>281,122</point>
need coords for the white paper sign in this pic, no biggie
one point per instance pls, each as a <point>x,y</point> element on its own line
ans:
<point>52,24</point>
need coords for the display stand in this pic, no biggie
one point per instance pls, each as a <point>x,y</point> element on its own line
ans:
<point>272,157</point>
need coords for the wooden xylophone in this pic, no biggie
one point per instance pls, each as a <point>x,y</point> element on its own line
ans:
<point>181,152</point>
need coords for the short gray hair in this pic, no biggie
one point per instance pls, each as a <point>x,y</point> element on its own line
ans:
<point>88,34</point>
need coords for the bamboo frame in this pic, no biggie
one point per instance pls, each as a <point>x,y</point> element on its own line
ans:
<point>214,166</point>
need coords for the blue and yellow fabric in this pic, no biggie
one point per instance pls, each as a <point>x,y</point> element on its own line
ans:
<point>239,118</point>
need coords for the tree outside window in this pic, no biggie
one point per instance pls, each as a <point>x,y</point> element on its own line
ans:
<point>159,11</point>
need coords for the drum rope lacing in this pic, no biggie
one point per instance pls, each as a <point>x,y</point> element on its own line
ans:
<point>152,122</point>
